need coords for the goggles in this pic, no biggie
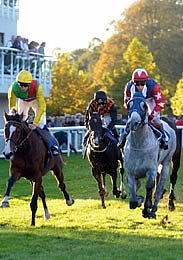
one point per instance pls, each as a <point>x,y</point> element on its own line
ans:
<point>101,103</point>
<point>140,83</point>
<point>23,85</point>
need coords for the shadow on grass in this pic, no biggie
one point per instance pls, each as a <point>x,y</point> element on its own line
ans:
<point>76,243</point>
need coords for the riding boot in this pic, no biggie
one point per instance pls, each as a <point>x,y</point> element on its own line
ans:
<point>115,133</point>
<point>49,140</point>
<point>163,140</point>
<point>122,141</point>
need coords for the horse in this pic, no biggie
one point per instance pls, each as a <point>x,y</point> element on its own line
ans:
<point>175,162</point>
<point>29,158</point>
<point>103,156</point>
<point>143,155</point>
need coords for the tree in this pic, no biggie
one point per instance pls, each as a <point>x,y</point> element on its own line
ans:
<point>177,100</point>
<point>70,88</point>
<point>158,24</point>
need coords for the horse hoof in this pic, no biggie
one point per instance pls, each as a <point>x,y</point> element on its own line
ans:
<point>117,194</point>
<point>123,195</point>
<point>133,204</point>
<point>153,215</point>
<point>146,213</point>
<point>70,202</point>
<point>46,215</point>
<point>5,204</point>
<point>171,206</point>
<point>140,200</point>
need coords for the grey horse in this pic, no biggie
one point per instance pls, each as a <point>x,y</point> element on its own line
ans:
<point>143,156</point>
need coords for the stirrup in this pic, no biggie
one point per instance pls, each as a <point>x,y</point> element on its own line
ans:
<point>163,144</point>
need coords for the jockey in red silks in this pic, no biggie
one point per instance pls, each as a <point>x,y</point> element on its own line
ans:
<point>155,100</point>
<point>25,93</point>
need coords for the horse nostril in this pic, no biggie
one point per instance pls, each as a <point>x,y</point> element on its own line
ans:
<point>7,156</point>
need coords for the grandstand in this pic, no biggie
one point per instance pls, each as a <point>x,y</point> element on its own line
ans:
<point>13,60</point>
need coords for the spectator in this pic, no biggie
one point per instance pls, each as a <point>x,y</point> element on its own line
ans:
<point>11,42</point>
<point>41,48</point>
<point>17,44</point>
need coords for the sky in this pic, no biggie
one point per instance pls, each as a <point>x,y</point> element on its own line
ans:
<point>68,24</point>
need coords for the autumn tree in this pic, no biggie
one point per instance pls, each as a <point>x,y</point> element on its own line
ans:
<point>177,100</point>
<point>158,24</point>
<point>70,88</point>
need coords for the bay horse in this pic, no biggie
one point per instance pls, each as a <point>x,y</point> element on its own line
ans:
<point>143,155</point>
<point>28,157</point>
<point>104,156</point>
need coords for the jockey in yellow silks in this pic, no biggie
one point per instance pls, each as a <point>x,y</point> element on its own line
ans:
<point>26,93</point>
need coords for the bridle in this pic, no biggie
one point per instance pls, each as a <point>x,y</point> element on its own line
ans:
<point>24,129</point>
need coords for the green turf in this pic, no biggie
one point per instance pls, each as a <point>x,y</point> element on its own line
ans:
<point>85,230</point>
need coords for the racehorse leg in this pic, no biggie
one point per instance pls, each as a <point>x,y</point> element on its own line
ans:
<point>101,190</point>
<point>60,180</point>
<point>150,184</point>
<point>133,192</point>
<point>173,177</point>
<point>5,201</point>
<point>43,198</point>
<point>160,188</point>
<point>33,205</point>
<point>115,190</point>
<point>104,184</point>
<point>122,186</point>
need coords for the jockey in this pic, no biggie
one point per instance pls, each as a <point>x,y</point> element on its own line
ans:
<point>26,93</point>
<point>108,111</point>
<point>151,91</point>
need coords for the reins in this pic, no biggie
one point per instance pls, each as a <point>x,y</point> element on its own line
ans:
<point>100,151</point>
<point>22,128</point>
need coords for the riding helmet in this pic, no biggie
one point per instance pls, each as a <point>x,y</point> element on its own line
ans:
<point>100,95</point>
<point>140,75</point>
<point>24,76</point>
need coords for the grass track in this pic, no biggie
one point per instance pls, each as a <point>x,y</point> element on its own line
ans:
<point>85,230</point>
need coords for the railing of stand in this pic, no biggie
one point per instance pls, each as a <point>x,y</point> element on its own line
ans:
<point>13,60</point>
<point>75,136</point>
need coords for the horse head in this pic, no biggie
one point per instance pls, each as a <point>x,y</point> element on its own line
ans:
<point>16,132</point>
<point>137,111</point>
<point>96,129</point>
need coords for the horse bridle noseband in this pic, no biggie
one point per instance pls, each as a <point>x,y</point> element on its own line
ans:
<point>99,151</point>
<point>22,128</point>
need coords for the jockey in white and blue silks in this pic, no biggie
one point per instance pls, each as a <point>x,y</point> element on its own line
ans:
<point>156,102</point>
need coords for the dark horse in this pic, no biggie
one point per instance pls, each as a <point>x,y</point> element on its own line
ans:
<point>175,162</point>
<point>103,156</point>
<point>29,158</point>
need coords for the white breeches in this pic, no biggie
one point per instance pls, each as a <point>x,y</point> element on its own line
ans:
<point>24,106</point>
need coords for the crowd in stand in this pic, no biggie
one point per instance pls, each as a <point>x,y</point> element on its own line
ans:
<point>75,120</point>
<point>23,44</point>
<point>32,52</point>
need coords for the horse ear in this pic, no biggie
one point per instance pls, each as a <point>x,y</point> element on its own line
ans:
<point>5,115</point>
<point>21,116</point>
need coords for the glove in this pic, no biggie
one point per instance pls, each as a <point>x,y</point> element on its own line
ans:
<point>32,126</point>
